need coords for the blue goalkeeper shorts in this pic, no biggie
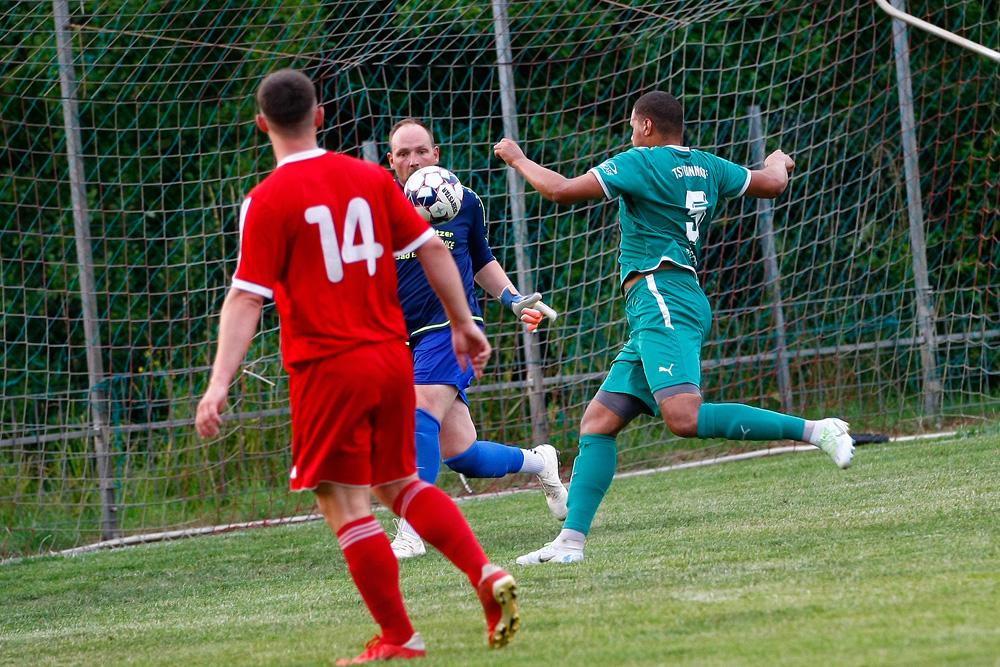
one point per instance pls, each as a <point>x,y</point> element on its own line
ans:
<point>434,362</point>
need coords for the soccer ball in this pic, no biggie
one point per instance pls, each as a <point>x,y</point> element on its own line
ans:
<point>436,193</point>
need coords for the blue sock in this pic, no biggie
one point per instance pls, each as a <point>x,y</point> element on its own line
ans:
<point>487,459</point>
<point>428,446</point>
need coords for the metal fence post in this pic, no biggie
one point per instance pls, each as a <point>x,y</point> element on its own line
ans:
<point>915,208</point>
<point>772,274</point>
<point>518,209</point>
<point>369,150</point>
<point>88,294</point>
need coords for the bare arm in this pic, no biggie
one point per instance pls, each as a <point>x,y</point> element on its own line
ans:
<point>493,279</point>
<point>771,181</point>
<point>551,185</point>
<point>237,325</point>
<point>469,341</point>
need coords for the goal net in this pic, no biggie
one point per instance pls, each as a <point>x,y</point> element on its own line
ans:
<point>869,290</point>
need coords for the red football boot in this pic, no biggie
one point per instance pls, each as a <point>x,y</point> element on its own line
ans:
<point>376,649</point>
<point>498,593</point>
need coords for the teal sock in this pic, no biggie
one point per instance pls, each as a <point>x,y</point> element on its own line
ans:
<point>742,422</point>
<point>592,474</point>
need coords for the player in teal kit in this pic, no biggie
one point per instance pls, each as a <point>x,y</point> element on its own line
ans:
<point>666,193</point>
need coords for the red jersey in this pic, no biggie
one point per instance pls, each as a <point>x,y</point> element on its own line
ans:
<point>318,236</point>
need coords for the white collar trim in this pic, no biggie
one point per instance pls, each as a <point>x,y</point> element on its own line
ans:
<point>304,155</point>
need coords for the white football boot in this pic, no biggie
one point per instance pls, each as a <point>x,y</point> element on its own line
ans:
<point>835,439</point>
<point>555,493</point>
<point>553,552</point>
<point>406,544</point>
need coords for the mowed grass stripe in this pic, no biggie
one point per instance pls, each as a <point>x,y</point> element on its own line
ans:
<point>782,560</point>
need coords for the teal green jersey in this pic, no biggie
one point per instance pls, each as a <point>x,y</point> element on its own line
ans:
<point>666,194</point>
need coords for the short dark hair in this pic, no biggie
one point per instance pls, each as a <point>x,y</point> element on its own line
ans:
<point>287,98</point>
<point>664,110</point>
<point>410,121</point>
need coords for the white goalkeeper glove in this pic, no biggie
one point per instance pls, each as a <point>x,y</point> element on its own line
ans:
<point>529,309</point>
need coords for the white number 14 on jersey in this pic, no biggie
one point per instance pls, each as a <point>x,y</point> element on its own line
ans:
<point>359,218</point>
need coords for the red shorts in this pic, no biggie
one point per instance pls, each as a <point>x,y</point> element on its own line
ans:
<point>353,418</point>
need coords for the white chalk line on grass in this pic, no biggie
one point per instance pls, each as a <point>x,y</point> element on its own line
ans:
<point>770,451</point>
<point>150,538</point>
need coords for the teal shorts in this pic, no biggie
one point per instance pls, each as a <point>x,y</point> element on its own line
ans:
<point>669,319</point>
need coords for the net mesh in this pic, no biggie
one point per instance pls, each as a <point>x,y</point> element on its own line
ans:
<point>168,150</point>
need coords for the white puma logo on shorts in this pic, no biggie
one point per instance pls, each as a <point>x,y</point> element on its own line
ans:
<point>667,370</point>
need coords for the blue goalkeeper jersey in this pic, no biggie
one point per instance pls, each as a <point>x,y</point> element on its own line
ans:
<point>465,236</point>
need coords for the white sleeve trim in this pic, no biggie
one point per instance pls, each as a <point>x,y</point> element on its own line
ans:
<point>420,240</point>
<point>253,288</point>
<point>597,172</point>
<point>745,185</point>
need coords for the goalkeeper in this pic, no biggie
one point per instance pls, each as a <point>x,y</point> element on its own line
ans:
<point>444,424</point>
<point>667,193</point>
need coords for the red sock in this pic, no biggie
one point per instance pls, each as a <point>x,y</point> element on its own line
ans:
<point>375,571</point>
<point>438,520</point>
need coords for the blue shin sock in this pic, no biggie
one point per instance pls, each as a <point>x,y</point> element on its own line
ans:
<point>487,459</point>
<point>428,446</point>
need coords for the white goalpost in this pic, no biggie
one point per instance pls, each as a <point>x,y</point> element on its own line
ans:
<point>898,13</point>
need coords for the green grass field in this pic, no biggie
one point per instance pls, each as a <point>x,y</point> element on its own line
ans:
<point>784,560</point>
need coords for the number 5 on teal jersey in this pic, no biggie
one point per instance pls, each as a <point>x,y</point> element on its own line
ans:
<point>697,205</point>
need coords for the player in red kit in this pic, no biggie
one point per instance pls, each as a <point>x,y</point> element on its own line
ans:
<point>318,236</point>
